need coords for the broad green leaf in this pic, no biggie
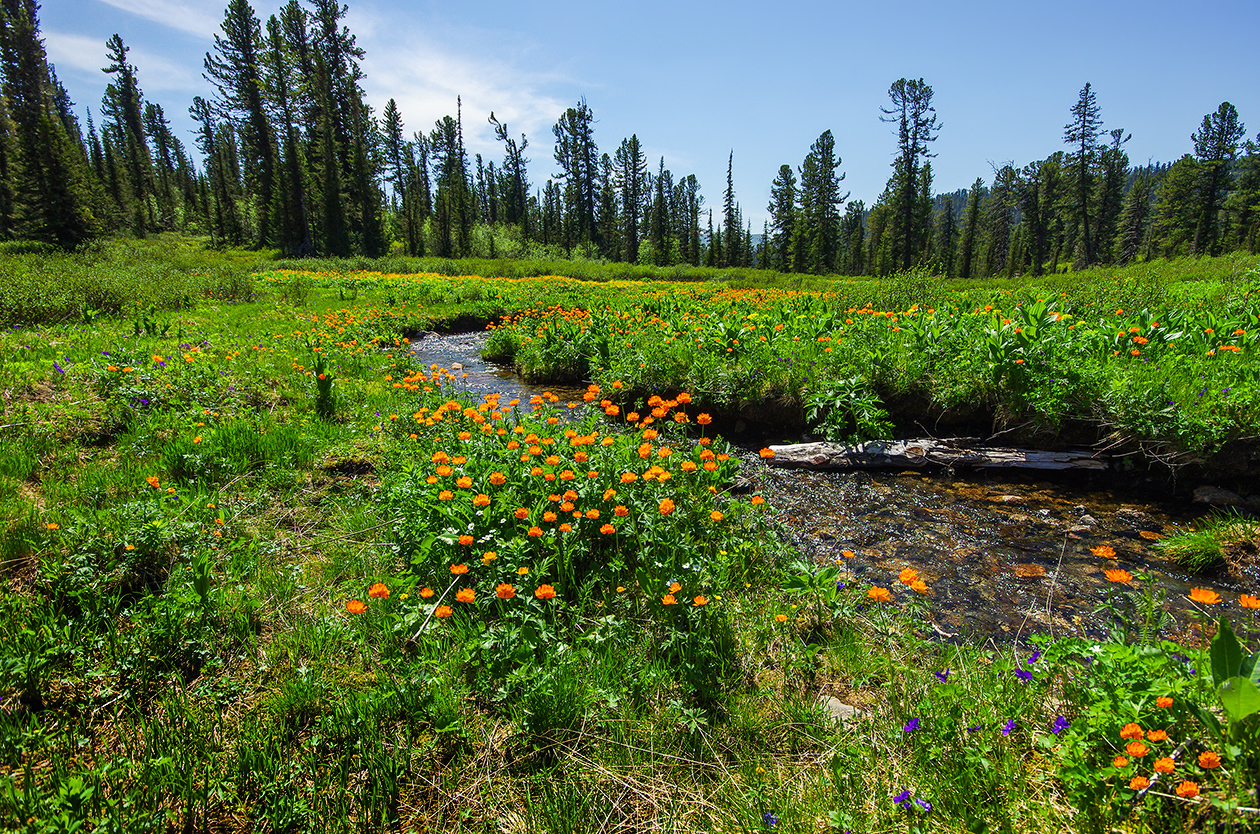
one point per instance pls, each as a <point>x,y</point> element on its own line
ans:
<point>1248,668</point>
<point>1240,697</point>
<point>1206,718</point>
<point>1226,654</point>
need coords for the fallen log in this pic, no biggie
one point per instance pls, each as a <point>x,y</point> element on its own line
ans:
<point>966,452</point>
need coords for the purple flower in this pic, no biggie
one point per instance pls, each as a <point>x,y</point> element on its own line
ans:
<point>902,798</point>
<point>57,367</point>
<point>976,728</point>
<point>1060,724</point>
<point>911,725</point>
<point>1008,727</point>
<point>769,819</point>
<point>1023,674</point>
<point>942,676</point>
<point>923,804</point>
<point>1034,657</point>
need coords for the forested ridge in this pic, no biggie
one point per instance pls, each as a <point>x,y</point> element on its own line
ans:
<point>289,156</point>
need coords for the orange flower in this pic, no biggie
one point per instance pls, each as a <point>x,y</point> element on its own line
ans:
<point>1205,596</point>
<point>668,599</point>
<point>465,595</point>
<point>521,513</point>
<point>848,554</point>
<point>1119,761</point>
<point>1139,783</point>
<point>1131,731</point>
<point>481,500</point>
<point>607,530</point>
<point>766,453</point>
<point>666,507</point>
<point>700,600</point>
<point>621,511</point>
<point>466,540</point>
<point>52,525</point>
<point>1164,764</point>
<point>780,618</point>
<point>356,606</point>
<point>715,515</point>
<point>704,419</point>
<point>153,481</point>
<point>443,611</point>
<point>1136,749</point>
<point>549,516</point>
<point>534,532</point>
<point>675,588</point>
<point>757,500</point>
<point>545,592</point>
<point>1118,575</point>
<point>521,571</point>
<point>879,594</point>
<point>1209,759</point>
<point>379,591</point>
<point>919,586</point>
<point>1248,601</point>
<point>1163,702</point>
<point>459,569</point>
<point>1104,551</point>
<point>488,557</point>
<point>1188,789</point>
<point>426,592</point>
<point>504,591</point>
<point>445,495</point>
<point>907,576</point>
<point>1157,735</point>
<point>498,478</point>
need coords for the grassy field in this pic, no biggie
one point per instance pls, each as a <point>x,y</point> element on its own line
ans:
<point>262,573</point>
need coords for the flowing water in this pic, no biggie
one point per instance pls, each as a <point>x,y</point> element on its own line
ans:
<point>1005,555</point>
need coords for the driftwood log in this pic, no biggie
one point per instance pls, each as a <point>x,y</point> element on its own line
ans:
<point>966,452</point>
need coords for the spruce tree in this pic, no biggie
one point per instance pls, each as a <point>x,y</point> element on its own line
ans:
<point>1081,134</point>
<point>915,117</point>
<point>971,230</point>
<point>1215,145</point>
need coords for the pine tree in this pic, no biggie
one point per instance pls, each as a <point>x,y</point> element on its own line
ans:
<point>971,230</point>
<point>915,117</point>
<point>630,177</point>
<point>515,181</point>
<point>1134,218</point>
<point>782,210</point>
<point>1081,134</point>
<point>123,107</point>
<point>1176,208</point>
<point>1114,170</point>
<point>820,201</point>
<point>578,158</point>
<point>731,232</point>
<point>1215,145</point>
<point>51,197</point>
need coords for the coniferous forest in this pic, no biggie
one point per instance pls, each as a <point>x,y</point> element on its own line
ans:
<point>289,156</point>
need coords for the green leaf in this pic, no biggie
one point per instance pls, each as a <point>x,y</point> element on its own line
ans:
<point>1248,668</point>
<point>1207,719</point>
<point>1226,654</point>
<point>1240,697</point>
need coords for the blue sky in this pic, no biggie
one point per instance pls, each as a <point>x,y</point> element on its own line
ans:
<point>696,81</point>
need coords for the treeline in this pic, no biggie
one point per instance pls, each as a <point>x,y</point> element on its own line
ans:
<point>291,157</point>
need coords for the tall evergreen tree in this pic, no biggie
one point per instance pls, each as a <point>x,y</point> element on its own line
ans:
<point>1215,146</point>
<point>782,210</point>
<point>915,117</point>
<point>515,181</point>
<point>971,230</point>
<point>123,108</point>
<point>1134,218</point>
<point>1114,170</point>
<point>1081,134</point>
<point>578,158</point>
<point>820,201</point>
<point>51,196</point>
<point>630,177</point>
<point>732,234</point>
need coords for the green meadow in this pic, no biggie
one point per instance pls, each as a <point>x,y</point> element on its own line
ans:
<point>264,571</point>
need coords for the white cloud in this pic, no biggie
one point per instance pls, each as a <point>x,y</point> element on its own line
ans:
<point>87,55</point>
<point>197,17</point>
<point>425,73</point>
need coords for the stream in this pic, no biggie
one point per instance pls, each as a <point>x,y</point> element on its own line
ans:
<point>1006,555</point>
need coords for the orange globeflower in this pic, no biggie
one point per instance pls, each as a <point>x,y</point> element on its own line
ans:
<point>459,569</point>
<point>534,532</point>
<point>426,592</point>
<point>780,618</point>
<point>1131,731</point>
<point>356,606</point>
<point>521,513</point>
<point>153,481</point>
<point>466,539</point>
<point>445,495</point>
<point>704,419</point>
<point>919,586</point>
<point>907,576</point>
<point>443,611</point>
<point>607,530</point>
<point>465,595</point>
<point>379,591</point>
<point>1205,596</point>
<point>52,525</point>
<point>666,507</point>
<point>767,453</point>
<point>498,478</point>
<point>1118,575</point>
<point>675,588</point>
<point>1104,551</point>
<point>1164,764</point>
<point>1188,789</point>
<point>715,515</point>
<point>757,500</point>
<point>1248,601</point>
<point>481,500</point>
<point>1157,735</point>
<point>1136,749</point>
<point>700,600</point>
<point>879,594</point>
<point>1163,702</point>
<point>1139,783</point>
<point>545,592</point>
<point>1119,761</point>
<point>504,591</point>
<point>668,599</point>
<point>1209,759</point>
